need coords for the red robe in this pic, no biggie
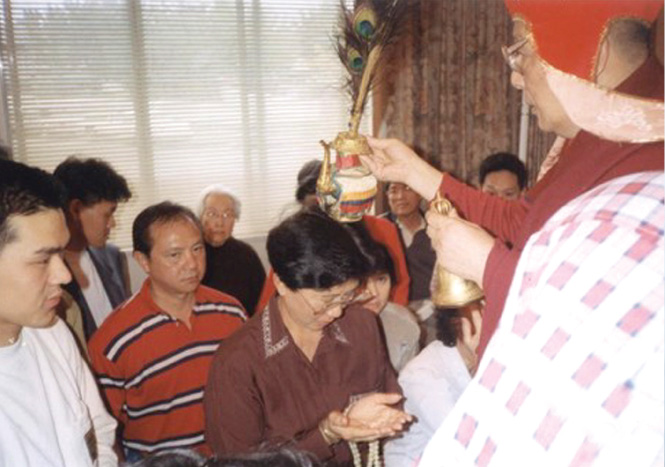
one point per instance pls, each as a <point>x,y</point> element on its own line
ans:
<point>585,161</point>
<point>382,231</point>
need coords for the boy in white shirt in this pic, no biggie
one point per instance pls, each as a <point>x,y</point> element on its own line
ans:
<point>51,413</point>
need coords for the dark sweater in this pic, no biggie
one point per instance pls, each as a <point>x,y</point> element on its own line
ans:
<point>235,269</point>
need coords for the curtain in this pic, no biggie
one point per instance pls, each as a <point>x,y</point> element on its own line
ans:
<point>446,88</point>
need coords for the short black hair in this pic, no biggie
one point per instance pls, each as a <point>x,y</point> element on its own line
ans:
<point>377,254</point>
<point>160,213</point>
<point>448,326</point>
<point>91,181</point>
<point>25,190</point>
<point>307,177</point>
<point>309,250</point>
<point>503,161</point>
<point>5,152</point>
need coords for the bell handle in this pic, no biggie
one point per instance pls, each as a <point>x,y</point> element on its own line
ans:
<point>441,205</point>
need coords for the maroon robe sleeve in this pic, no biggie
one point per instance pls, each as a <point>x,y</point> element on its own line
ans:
<point>500,217</point>
<point>499,271</point>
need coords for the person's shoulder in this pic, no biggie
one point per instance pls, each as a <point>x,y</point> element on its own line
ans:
<point>400,313</point>
<point>107,252</point>
<point>239,244</point>
<point>358,321</point>
<point>245,248</point>
<point>58,338</point>
<point>129,314</point>
<point>245,344</point>
<point>209,299</point>
<point>379,222</point>
<point>208,294</point>
<point>400,319</point>
<point>432,356</point>
<point>111,248</point>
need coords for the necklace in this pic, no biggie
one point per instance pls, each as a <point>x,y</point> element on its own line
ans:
<point>373,456</point>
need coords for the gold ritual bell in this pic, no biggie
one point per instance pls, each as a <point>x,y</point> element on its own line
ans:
<point>450,290</point>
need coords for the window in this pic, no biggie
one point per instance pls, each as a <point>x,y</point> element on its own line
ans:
<point>176,95</point>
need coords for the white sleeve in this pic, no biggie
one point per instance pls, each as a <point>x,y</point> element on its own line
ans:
<point>103,423</point>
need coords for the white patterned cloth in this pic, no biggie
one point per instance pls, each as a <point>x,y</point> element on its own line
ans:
<point>574,373</point>
<point>432,382</point>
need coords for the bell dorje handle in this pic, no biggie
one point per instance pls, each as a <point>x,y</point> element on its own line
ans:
<point>441,205</point>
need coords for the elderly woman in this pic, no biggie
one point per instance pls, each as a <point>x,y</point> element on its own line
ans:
<point>233,267</point>
<point>306,371</point>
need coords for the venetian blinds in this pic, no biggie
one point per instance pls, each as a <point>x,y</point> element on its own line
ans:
<point>176,95</point>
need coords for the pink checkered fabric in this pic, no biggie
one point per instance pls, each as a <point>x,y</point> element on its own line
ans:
<point>574,374</point>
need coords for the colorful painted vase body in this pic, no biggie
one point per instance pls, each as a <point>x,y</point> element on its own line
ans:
<point>346,190</point>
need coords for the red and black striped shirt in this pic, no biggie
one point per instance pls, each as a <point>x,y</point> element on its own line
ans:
<point>152,368</point>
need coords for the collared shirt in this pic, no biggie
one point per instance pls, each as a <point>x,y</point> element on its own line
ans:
<point>94,291</point>
<point>574,374</point>
<point>262,388</point>
<point>407,235</point>
<point>152,368</point>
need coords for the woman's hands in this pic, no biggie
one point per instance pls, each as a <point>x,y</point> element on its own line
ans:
<point>370,418</point>
<point>394,161</point>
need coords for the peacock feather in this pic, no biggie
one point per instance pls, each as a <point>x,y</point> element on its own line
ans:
<point>364,33</point>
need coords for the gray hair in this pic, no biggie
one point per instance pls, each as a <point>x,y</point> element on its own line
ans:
<point>217,189</point>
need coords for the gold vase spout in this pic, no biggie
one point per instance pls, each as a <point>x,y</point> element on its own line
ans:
<point>451,290</point>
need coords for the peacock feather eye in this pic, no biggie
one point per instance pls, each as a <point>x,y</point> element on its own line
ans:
<point>355,60</point>
<point>364,23</point>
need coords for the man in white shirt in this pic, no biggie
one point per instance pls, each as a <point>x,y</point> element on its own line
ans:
<point>51,413</point>
<point>100,281</point>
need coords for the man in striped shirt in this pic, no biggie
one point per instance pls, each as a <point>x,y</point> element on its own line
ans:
<point>152,354</point>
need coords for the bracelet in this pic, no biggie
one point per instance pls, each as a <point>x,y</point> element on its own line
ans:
<point>328,435</point>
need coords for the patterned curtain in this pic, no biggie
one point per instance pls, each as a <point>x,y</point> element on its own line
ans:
<point>446,90</point>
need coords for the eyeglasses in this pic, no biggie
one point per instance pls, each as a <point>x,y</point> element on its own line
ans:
<point>511,55</point>
<point>357,295</point>
<point>211,214</point>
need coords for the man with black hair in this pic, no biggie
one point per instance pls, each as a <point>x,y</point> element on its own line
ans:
<point>306,371</point>
<point>502,174</point>
<point>153,352</point>
<point>50,410</point>
<point>100,281</point>
<point>405,212</point>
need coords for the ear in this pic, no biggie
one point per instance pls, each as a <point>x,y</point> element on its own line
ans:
<point>279,285</point>
<point>74,209</point>
<point>143,261</point>
<point>471,320</point>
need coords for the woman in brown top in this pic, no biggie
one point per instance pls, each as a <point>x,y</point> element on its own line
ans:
<point>311,370</point>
